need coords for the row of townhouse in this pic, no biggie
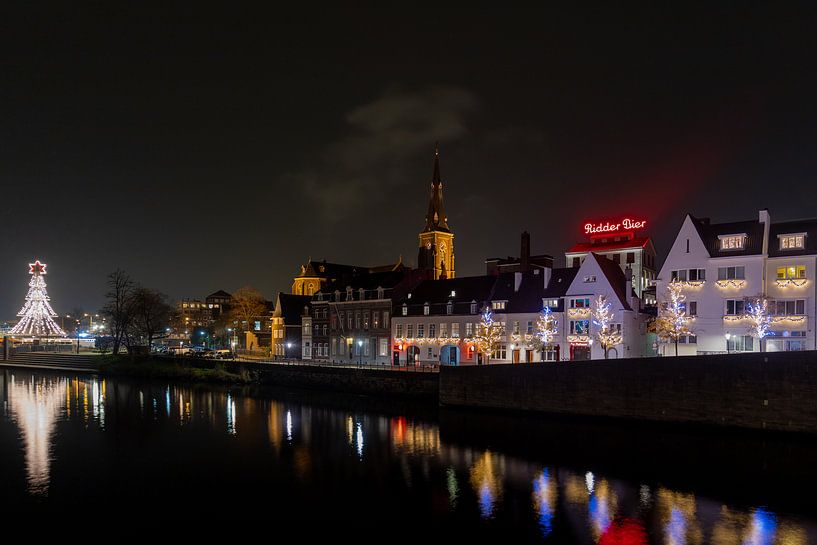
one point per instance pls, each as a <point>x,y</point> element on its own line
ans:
<point>436,322</point>
<point>725,267</point>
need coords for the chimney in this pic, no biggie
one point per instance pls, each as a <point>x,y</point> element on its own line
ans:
<point>517,281</point>
<point>764,218</point>
<point>546,273</point>
<point>628,286</point>
<point>524,256</point>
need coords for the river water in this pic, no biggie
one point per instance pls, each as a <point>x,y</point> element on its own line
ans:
<point>374,470</point>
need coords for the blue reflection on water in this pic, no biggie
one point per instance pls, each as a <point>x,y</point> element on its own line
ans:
<point>763,529</point>
<point>676,527</point>
<point>486,501</point>
<point>540,491</point>
<point>599,512</point>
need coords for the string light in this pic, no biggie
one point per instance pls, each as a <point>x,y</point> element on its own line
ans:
<point>672,321</point>
<point>602,317</point>
<point>36,316</point>
<point>488,333</point>
<point>758,314</point>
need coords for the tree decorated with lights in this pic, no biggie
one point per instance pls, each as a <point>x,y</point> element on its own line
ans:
<point>547,327</point>
<point>757,312</point>
<point>36,316</point>
<point>672,321</point>
<point>602,314</point>
<point>488,334</point>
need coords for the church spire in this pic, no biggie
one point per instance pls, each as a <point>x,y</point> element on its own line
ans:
<point>436,220</point>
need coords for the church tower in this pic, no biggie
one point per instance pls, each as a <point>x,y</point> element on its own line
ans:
<point>436,240</point>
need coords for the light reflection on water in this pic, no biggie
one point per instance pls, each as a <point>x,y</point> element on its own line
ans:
<point>315,444</point>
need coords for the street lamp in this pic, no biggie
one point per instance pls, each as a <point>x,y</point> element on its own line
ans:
<point>286,353</point>
<point>360,351</point>
<point>728,336</point>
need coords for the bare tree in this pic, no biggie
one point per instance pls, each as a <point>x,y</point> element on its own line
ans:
<point>119,306</point>
<point>246,305</point>
<point>151,314</point>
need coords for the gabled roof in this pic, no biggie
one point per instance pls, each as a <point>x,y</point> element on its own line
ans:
<point>334,271</point>
<point>290,307</point>
<point>616,278</point>
<point>465,289</point>
<point>710,233</point>
<point>612,273</point>
<point>366,280</point>
<point>219,293</point>
<point>808,226</point>
<point>635,242</point>
<point>560,280</point>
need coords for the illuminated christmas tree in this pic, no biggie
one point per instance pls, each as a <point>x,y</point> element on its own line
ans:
<point>672,321</point>
<point>547,328</point>
<point>36,316</point>
<point>757,312</point>
<point>607,335</point>
<point>488,335</point>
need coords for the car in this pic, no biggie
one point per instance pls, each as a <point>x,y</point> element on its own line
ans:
<point>223,354</point>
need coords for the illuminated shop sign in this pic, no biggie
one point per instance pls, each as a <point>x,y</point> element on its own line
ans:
<point>607,227</point>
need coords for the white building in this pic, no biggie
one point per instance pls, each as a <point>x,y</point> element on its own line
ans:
<point>601,276</point>
<point>725,266</point>
<point>623,242</point>
<point>436,322</point>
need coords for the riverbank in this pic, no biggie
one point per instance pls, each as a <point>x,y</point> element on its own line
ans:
<point>159,368</point>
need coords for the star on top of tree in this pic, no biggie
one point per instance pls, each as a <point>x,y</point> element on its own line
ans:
<point>37,267</point>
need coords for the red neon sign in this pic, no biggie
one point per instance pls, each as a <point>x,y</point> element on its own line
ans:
<point>606,227</point>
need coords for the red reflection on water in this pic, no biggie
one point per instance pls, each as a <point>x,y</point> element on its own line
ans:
<point>624,532</point>
<point>398,428</point>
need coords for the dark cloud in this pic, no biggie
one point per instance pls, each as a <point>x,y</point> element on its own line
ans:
<point>380,137</point>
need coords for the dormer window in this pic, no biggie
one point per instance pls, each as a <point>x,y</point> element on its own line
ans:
<point>405,310</point>
<point>732,242</point>
<point>590,278</point>
<point>449,308</point>
<point>426,309</point>
<point>793,241</point>
<point>380,293</point>
<point>473,307</point>
<point>498,305</point>
<point>349,293</point>
<point>361,294</point>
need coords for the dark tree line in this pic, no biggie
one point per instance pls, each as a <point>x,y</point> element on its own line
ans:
<point>137,316</point>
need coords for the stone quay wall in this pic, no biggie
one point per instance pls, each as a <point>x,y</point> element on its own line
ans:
<point>772,391</point>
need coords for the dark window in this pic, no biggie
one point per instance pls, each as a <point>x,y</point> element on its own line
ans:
<point>630,257</point>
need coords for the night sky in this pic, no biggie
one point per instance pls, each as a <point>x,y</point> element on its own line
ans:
<point>210,150</point>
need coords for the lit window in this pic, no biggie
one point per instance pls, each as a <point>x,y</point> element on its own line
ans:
<point>590,278</point>
<point>792,272</point>
<point>498,305</point>
<point>426,309</point>
<point>732,242</point>
<point>792,242</point>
